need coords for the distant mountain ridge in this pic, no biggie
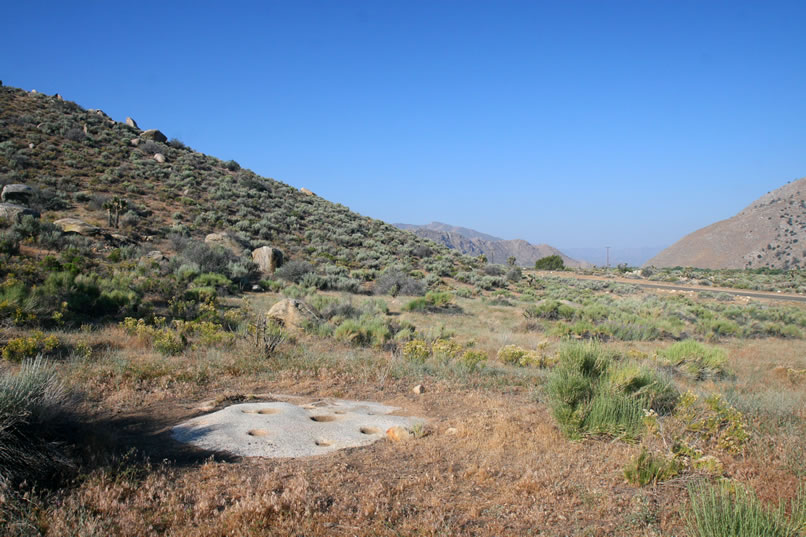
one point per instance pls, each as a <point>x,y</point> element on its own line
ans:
<point>472,242</point>
<point>770,232</point>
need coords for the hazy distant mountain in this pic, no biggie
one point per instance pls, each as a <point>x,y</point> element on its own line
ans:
<point>471,242</point>
<point>770,232</point>
<point>632,257</point>
<point>447,228</point>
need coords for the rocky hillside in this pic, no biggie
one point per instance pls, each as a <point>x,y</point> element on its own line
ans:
<point>77,161</point>
<point>496,250</point>
<point>770,232</point>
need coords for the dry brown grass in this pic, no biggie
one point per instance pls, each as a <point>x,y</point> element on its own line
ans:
<point>492,462</point>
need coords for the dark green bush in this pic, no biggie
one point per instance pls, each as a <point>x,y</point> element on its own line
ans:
<point>552,262</point>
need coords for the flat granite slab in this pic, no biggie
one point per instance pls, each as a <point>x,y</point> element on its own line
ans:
<point>283,429</point>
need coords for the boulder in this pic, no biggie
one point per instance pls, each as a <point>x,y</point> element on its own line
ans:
<point>268,259</point>
<point>291,313</point>
<point>419,389</point>
<point>17,193</point>
<point>159,157</point>
<point>306,192</point>
<point>131,123</point>
<point>12,212</point>
<point>74,225</point>
<point>225,240</point>
<point>154,255</point>
<point>135,141</point>
<point>153,134</point>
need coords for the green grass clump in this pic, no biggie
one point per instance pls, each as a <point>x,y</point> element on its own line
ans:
<point>432,301</point>
<point>364,331</point>
<point>514,355</point>
<point>551,310</point>
<point>593,392</point>
<point>725,511</point>
<point>700,361</point>
<point>33,404</point>
<point>647,468</point>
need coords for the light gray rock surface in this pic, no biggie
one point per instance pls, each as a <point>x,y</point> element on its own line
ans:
<point>225,240</point>
<point>153,134</point>
<point>267,258</point>
<point>74,225</point>
<point>13,212</point>
<point>17,193</point>
<point>285,429</point>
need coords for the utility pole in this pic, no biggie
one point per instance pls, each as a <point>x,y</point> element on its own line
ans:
<point>608,256</point>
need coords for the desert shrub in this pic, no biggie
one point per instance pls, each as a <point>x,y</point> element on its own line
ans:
<point>699,360</point>
<point>726,510</point>
<point>9,243</point>
<point>33,406</point>
<point>446,350</point>
<point>591,391</point>
<point>717,328</point>
<point>364,331</point>
<point>150,147</point>
<point>395,282</point>
<point>432,301</point>
<point>416,350</point>
<point>514,355</point>
<point>422,251</point>
<point>550,310</point>
<point>646,468</point>
<point>514,274</point>
<point>207,258</point>
<point>295,271</point>
<point>494,270</point>
<point>473,360</point>
<point>552,262</point>
<point>22,348</point>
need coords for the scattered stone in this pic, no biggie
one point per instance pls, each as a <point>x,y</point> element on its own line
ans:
<point>74,225</point>
<point>398,434</point>
<point>419,389</point>
<point>153,134</point>
<point>256,288</point>
<point>451,431</point>
<point>159,157</point>
<point>284,429</point>
<point>292,313</point>
<point>306,192</point>
<point>17,193</point>
<point>135,141</point>
<point>155,255</point>
<point>31,145</point>
<point>12,212</point>
<point>225,240</point>
<point>268,259</point>
<point>131,123</point>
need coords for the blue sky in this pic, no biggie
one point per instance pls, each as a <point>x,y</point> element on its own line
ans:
<point>578,124</point>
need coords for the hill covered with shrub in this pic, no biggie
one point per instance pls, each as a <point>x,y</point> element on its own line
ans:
<point>137,193</point>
